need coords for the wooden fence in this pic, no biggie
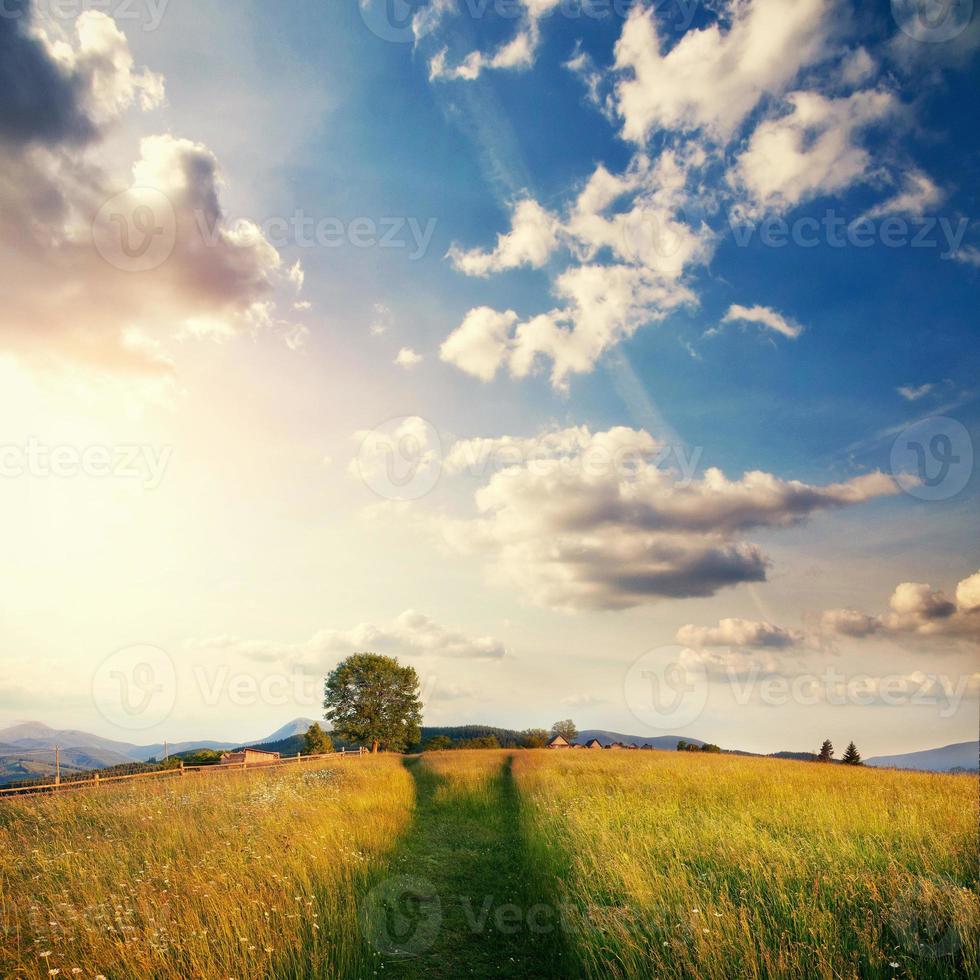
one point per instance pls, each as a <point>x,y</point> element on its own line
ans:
<point>176,772</point>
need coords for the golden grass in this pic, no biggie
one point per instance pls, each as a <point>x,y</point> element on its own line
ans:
<point>232,875</point>
<point>676,865</point>
<point>655,864</point>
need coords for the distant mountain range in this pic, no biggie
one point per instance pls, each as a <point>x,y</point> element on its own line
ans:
<point>667,742</point>
<point>959,755</point>
<point>26,750</point>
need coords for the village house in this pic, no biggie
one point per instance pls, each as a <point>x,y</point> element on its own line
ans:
<point>558,742</point>
<point>248,757</point>
<point>593,743</point>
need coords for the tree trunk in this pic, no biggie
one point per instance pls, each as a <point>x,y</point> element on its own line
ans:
<point>374,746</point>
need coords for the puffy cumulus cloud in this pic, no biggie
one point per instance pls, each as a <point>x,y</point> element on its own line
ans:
<point>408,358</point>
<point>531,240</point>
<point>810,151</point>
<point>917,610</point>
<point>56,92</point>
<point>849,622</point>
<point>411,634</point>
<point>712,78</point>
<point>104,266</point>
<point>650,246</point>
<point>764,316</point>
<point>517,54</point>
<point>739,633</point>
<point>592,521</point>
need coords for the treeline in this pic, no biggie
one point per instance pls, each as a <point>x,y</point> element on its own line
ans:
<point>683,746</point>
<point>480,737</point>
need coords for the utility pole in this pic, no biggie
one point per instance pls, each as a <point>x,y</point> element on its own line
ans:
<point>165,754</point>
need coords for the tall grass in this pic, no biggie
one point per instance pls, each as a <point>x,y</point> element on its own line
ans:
<point>234,875</point>
<point>674,865</point>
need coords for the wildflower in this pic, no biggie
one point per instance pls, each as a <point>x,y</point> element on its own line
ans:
<point>893,965</point>
<point>45,954</point>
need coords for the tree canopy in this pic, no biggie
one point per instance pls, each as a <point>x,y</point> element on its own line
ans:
<point>826,752</point>
<point>566,728</point>
<point>851,756</point>
<point>316,741</point>
<point>370,699</point>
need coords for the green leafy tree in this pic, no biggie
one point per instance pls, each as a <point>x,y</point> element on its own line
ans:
<point>534,738</point>
<point>826,752</point>
<point>437,743</point>
<point>710,747</point>
<point>373,700</point>
<point>566,729</point>
<point>681,745</point>
<point>851,756</point>
<point>316,741</point>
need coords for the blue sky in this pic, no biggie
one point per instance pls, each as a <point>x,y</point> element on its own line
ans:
<point>605,235</point>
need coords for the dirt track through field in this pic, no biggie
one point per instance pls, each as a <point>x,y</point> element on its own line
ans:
<point>461,908</point>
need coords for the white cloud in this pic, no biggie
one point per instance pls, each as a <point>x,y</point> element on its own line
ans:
<point>810,151</point>
<point>917,610</point>
<point>518,54</point>
<point>912,393</point>
<point>408,358</point>
<point>381,321</point>
<point>968,255</point>
<point>72,231</point>
<point>600,303</point>
<point>411,634</point>
<point>479,344</point>
<point>738,633</point>
<point>712,78</point>
<point>592,521</point>
<point>919,193</point>
<point>531,240</point>
<point>765,316</point>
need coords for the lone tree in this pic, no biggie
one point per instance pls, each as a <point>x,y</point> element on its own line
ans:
<point>373,700</point>
<point>316,741</point>
<point>851,756</point>
<point>566,729</point>
<point>826,752</point>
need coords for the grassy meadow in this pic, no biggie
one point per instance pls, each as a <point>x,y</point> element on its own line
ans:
<point>498,864</point>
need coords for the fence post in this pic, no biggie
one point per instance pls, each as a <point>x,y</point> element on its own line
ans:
<point>96,780</point>
<point>57,766</point>
<point>182,773</point>
<point>299,757</point>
